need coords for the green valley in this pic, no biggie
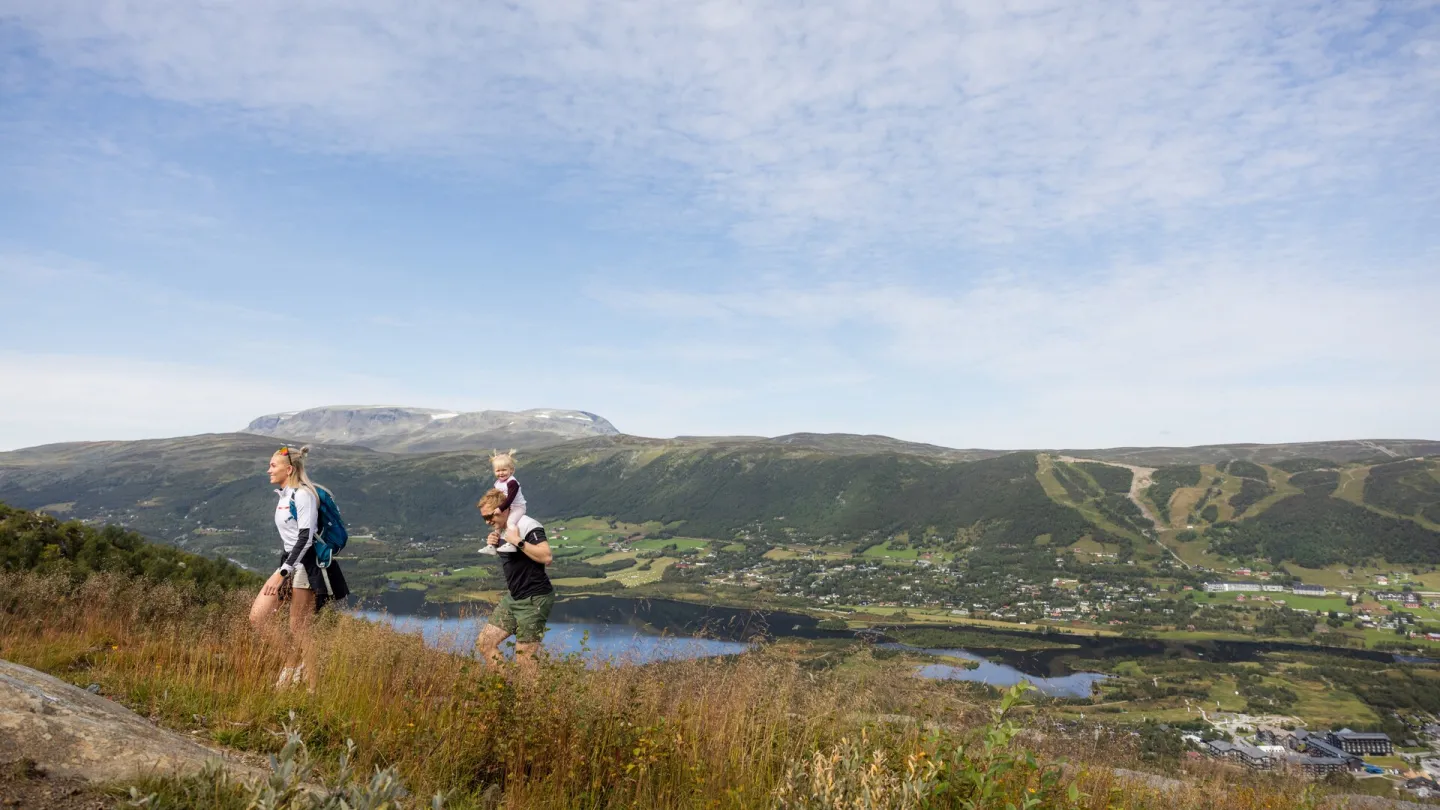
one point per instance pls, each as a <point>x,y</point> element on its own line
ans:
<point>859,528</point>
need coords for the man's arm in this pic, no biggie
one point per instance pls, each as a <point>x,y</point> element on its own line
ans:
<point>537,548</point>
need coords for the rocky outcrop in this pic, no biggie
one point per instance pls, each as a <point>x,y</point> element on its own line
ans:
<point>424,430</point>
<point>70,733</point>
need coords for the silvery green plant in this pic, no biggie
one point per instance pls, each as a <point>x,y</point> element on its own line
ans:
<point>287,786</point>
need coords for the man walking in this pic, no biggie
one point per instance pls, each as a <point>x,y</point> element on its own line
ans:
<point>522,611</point>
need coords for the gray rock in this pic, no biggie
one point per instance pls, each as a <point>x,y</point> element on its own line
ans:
<point>425,430</point>
<point>71,733</point>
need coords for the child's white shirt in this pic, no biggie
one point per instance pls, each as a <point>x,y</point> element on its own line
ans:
<point>517,506</point>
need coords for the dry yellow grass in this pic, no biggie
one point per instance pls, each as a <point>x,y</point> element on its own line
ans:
<point>737,733</point>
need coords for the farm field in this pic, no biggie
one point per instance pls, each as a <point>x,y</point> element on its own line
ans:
<point>806,553</point>
<point>883,550</point>
<point>1315,604</point>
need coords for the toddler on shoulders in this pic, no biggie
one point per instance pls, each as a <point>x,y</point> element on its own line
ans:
<point>504,466</point>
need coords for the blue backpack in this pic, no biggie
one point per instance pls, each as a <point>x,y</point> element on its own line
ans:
<point>330,527</point>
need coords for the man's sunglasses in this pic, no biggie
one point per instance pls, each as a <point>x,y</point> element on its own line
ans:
<point>488,515</point>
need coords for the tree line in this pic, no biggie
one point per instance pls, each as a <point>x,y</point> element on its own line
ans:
<point>33,541</point>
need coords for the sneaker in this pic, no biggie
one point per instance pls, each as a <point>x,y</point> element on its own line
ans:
<point>298,676</point>
<point>488,549</point>
<point>287,677</point>
<point>507,548</point>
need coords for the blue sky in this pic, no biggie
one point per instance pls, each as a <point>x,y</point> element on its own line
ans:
<point>999,224</point>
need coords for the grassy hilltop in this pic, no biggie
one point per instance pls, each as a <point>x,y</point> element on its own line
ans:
<point>770,728</point>
<point>788,724</point>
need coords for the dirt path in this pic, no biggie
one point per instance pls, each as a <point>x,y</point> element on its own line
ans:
<point>1379,448</point>
<point>1139,482</point>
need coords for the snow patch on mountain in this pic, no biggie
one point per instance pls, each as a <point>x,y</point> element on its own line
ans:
<point>405,429</point>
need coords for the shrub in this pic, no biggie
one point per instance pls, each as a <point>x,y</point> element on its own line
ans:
<point>288,786</point>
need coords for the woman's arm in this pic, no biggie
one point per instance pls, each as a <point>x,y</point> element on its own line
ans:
<point>305,516</point>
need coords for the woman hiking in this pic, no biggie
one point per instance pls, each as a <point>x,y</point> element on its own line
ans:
<point>299,580</point>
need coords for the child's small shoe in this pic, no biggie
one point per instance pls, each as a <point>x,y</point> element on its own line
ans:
<point>287,677</point>
<point>507,548</point>
<point>488,549</point>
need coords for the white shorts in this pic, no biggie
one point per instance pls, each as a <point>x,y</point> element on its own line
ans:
<point>300,578</point>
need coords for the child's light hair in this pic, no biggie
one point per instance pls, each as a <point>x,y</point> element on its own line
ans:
<point>505,459</point>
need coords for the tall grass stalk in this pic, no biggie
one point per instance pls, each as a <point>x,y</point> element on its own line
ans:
<point>758,730</point>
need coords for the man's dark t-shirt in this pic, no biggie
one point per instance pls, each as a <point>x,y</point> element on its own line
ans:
<point>524,577</point>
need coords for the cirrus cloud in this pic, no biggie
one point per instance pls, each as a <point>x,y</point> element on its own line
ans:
<point>852,123</point>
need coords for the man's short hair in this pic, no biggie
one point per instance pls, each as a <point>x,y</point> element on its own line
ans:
<point>492,499</point>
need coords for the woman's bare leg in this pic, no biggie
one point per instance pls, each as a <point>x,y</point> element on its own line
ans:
<point>261,609</point>
<point>302,614</point>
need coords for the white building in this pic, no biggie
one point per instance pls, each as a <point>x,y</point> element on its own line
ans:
<point>1233,587</point>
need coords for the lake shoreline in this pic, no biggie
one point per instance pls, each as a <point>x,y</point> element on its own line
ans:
<point>1069,655</point>
<point>1063,640</point>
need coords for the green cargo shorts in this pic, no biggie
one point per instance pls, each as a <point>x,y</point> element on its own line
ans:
<point>525,618</point>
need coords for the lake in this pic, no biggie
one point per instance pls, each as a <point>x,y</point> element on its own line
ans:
<point>604,628</point>
<point>993,673</point>
<point>596,642</point>
<point>640,631</point>
<point>661,617</point>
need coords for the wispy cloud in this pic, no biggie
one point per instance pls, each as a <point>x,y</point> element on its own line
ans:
<point>842,125</point>
<point>70,397</point>
<point>1217,318</point>
<point>1203,350</point>
<point>1012,222</point>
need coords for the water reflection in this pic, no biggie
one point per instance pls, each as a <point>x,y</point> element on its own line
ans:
<point>1074,685</point>
<point>596,642</point>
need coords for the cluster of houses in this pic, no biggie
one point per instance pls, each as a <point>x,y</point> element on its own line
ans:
<point>1313,753</point>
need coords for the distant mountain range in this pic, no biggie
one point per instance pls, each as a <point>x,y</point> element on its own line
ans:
<point>413,474</point>
<point>425,430</point>
<point>1351,450</point>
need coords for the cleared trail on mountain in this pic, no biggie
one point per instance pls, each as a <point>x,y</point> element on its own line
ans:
<point>1139,482</point>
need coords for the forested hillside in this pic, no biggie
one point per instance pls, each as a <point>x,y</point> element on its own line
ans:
<point>1164,483</point>
<point>1316,530</point>
<point>1100,492</point>
<point>209,493</point>
<point>718,491</point>
<point>1309,510</point>
<point>1409,488</point>
<point>34,542</point>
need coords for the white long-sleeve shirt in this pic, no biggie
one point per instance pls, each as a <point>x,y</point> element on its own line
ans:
<point>297,534</point>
